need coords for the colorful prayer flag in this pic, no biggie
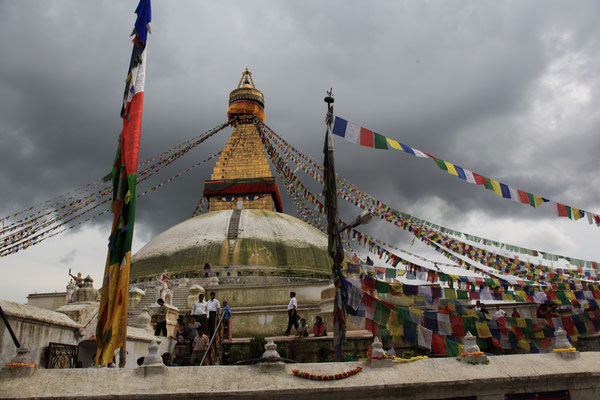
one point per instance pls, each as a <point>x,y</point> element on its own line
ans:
<point>112,315</point>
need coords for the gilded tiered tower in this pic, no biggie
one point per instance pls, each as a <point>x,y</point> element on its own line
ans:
<point>242,177</point>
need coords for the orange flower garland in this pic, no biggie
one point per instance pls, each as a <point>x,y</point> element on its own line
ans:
<point>562,350</point>
<point>326,377</point>
<point>18,364</point>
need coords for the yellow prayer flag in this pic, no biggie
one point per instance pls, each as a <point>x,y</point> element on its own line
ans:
<point>394,327</point>
<point>523,344</point>
<point>483,330</point>
<point>416,311</point>
<point>496,186</point>
<point>539,334</point>
<point>450,168</point>
<point>521,323</point>
<point>538,200</point>
<point>394,144</point>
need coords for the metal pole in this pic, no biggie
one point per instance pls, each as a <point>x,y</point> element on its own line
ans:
<point>12,334</point>
<point>336,252</point>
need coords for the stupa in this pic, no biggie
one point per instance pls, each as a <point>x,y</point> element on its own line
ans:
<point>244,248</point>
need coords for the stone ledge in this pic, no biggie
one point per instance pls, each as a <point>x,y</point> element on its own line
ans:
<point>422,379</point>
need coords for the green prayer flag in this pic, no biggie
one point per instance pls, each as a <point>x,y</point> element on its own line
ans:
<point>441,164</point>
<point>382,287</point>
<point>381,314</point>
<point>403,315</point>
<point>469,324</point>
<point>380,141</point>
<point>462,294</point>
<point>451,347</point>
<point>449,293</point>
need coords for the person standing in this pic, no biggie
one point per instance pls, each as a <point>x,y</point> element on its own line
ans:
<point>499,313</point>
<point>192,328</point>
<point>161,319</point>
<point>292,310</point>
<point>181,344</point>
<point>213,306</point>
<point>200,347</point>
<point>199,311</point>
<point>227,319</point>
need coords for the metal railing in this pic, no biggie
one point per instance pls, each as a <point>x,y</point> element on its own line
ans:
<point>210,355</point>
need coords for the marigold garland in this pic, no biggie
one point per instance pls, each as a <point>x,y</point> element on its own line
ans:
<point>20,364</point>
<point>405,360</point>
<point>561,350</point>
<point>385,356</point>
<point>326,377</point>
<point>474,353</point>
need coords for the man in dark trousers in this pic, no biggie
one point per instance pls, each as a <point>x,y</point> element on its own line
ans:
<point>292,313</point>
<point>213,306</point>
<point>161,319</point>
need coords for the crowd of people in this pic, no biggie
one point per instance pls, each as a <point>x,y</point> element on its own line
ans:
<point>544,311</point>
<point>319,327</point>
<point>196,328</point>
<point>193,330</point>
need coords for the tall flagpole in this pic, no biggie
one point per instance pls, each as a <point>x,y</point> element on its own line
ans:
<point>336,251</point>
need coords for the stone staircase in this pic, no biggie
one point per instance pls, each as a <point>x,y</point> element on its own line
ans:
<point>180,295</point>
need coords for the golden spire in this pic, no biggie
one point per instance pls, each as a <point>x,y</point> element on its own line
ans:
<point>242,172</point>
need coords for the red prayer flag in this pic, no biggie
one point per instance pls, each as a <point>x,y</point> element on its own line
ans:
<point>438,344</point>
<point>562,210</point>
<point>502,325</point>
<point>366,138</point>
<point>569,326</point>
<point>518,332</point>
<point>368,285</point>
<point>371,326</point>
<point>523,198</point>
<point>458,327</point>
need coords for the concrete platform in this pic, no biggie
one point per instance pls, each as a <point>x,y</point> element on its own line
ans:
<point>435,378</point>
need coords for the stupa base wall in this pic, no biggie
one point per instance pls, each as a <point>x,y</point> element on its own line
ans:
<point>434,378</point>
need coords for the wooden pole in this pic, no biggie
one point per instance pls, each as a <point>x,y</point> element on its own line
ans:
<point>336,251</point>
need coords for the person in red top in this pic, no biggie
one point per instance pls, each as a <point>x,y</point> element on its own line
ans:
<point>542,311</point>
<point>320,328</point>
<point>515,313</point>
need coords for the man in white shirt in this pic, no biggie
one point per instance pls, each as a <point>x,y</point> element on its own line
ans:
<point>199,312</point>
<point>499,313</point>
<point>213,307</point>
<point>292,310</point>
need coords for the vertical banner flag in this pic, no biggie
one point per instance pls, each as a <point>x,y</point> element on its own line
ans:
<point>111,330</point>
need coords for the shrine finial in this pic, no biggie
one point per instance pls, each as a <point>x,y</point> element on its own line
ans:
<point>246,79</point>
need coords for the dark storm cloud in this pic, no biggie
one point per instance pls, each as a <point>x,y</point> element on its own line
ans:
<point>463,81</point>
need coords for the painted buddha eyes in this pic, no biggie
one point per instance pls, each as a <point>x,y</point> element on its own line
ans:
<point>248,198</point>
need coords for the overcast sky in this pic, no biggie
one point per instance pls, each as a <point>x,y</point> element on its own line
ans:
<point>506,89</point>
